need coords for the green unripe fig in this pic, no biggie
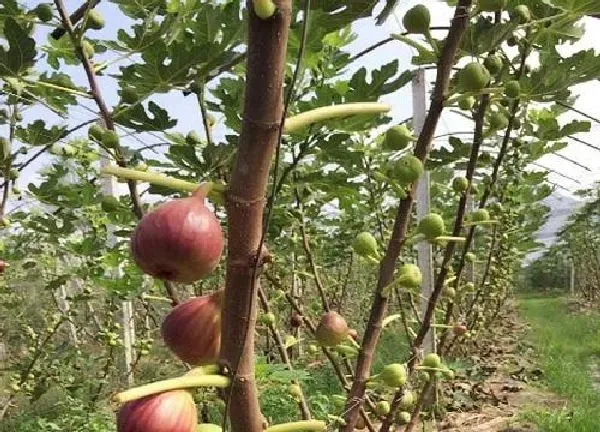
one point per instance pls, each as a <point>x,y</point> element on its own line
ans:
<point>397,138</point>
<point>88,49</point>
<point>403,417</point>
<point>474,188</point>
<point>469,286</point>
<point>44,12</point>
<point>264,9</point>
<point>449,292</point>
<point>496,207</point>
<point>417,20</point>
<point>110,139</point>
<point>491,5</point>
<point>407,401</point>
<point>208,427</point>
<point>512,89</point>
<point>109,204</point>
<point>498,121</point>
<point>129,96</point>
<point>338,401</point>
<point>382,408</point>
<point>466,103</point>
<point>14,174</point>
<point>473,77</point>
<point>470,257</point>
<point>192,138</point>
<point>96,132</point>
<point>313,349</point>
<point>408,169</point>
<point>295,391</point>
<point>95,20</point>
<point>521,14</point>
<point>432,360</point>
<point>393,375</point>
<point>268,318</point>
<point>460,184</point>
<point>431,226</point>
<point>365,245</point>
<point>410,276</point>
<point>480,215</point>
<point>493,64</point>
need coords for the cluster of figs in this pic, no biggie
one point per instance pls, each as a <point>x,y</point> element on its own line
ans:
<point>182,241</point>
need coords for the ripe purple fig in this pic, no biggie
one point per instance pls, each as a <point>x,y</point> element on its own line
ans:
<point>180,241</point>
<point>332,329</point>
<point>173,411</point>
<point>296,320</point>
<point>192,330</point>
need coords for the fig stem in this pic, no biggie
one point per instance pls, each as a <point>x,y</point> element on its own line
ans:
<point>487,222</point>
<point>295,123</point>
<point>299,426</point>
<point>157,298</point>
<point>450,239</point>
<point>183,382</point>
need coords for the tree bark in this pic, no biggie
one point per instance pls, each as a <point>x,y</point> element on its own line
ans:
<point>263,106</point>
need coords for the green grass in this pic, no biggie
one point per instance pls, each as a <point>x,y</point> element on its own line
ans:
<point>566,344</point>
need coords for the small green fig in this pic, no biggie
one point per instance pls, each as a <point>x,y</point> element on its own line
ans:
<point>96,132</point>
<point>480,215</point>
<point>493,64</point>
<point>417,20</point>
<point>264,9</point>
<point>397,138</point>
<point>432,360</point>
<point>408,169</point>
<point>393,375</point>
<point>365,245</point>
<point>44,12</point>
<point>520,14</point>
<point>382,408</point>
<point>473,77</point>
<point>431,226</point>
<point>512,89</point>
<point>410,276</point>
<point>460,184</point>
<point>95,20</point>
<point>110,139</point>
<point>466,103</point>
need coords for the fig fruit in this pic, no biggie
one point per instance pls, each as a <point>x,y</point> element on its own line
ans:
<point>192,330</point>
<point>96,132</point>
<point>173,411</point>
<point>296,319</point>
<point>267,318</point>
<point>410,276</point>
<point>407,401</point>
<point>295,391</point>
<point>480,215</point>
<point>493,64</point>
<point>431,226</point>
<point>44,12</point>
<point>408,169</point>
<point>3,266</point>
<point>403,417</point>
<point>88,49</point>
<point>512,89</point>
<point>365,245</point>
<point>470,257</point>
<point>332,329</point>
<point>459,329</point>
<point>448,373</point>
<point>491,5</point>
<point>466,103</point>
<point>353,334</point>
<point>110,139</point>
<point>180,241</point>
<point>109,204</point>
<point>393,375</point>
<point>473,77</point>
<point>449,292</point>
<point>520,14</point>
<point>432,360</point>
<point>382,408</point>
<point>397,138</point>
<point>264,9</point>
<point>95,20</point>
<point>498,121</point>
<point>417,20</point>
<point>460,184</point>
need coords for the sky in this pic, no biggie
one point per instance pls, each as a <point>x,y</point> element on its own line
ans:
<point>187,113</point>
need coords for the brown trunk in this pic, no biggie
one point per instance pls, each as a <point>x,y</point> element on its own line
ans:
<point>267,43</point>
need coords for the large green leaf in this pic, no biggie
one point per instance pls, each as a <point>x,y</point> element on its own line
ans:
<point>20,55</point>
